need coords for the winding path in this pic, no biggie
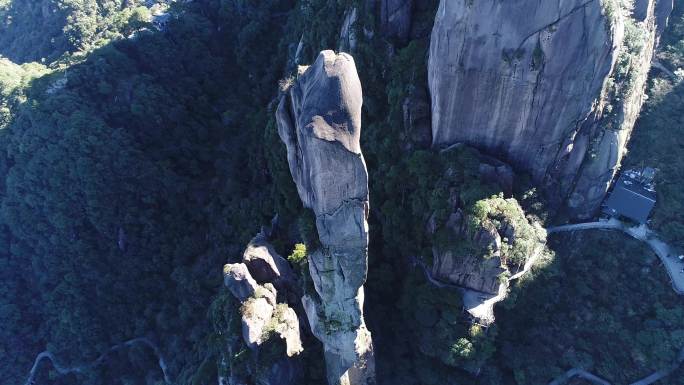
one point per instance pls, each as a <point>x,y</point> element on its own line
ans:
<point>478,304</point>
<point>81,368</point>
<point>581,373</point>
<point>673,268</point>
<point>642,233</point>
<point>662,373</point>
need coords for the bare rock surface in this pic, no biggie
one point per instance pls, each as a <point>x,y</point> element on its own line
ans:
<point>348,38</point>
<point>535,83</point>
<point>470,271</point>
<point>266,265</point>
<point>256,313</point>
<point>395,18</point>
<point>263,319</point>
<point>239,281</point>
<point>319,120</point>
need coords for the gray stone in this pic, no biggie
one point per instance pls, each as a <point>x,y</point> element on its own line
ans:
<point>239,281</point>
<point>348,38</point>
<point>469,271</point>
<point>256,313</point>
<point>267,291</point>
<point>456,223</point>
<point>264,263</point>
<point>395,18</point>
<point>320,123</point>
<point>286,326</point>
<point>488,238</point>
<point>662,12</point>
<point>319,120</point>
<point>262,318</point>
<point>499,174</point>
<point>527,81</point>
<point>501,232</point>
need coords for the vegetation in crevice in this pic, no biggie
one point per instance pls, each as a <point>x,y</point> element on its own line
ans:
<point>134,168</point>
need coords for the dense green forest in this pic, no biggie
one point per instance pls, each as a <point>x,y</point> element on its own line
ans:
<point>113,224</point>
<point>45,30</point>
<point>658,138</point>
<point>136,161</point>
<point>604,305</point>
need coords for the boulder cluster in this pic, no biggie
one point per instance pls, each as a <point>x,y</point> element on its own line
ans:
<point>262,283</point>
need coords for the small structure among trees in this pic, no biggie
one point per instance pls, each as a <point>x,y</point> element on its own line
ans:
<point>633,196</point>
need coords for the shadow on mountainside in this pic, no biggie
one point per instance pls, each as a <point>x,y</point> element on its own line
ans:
<point>128,182</point>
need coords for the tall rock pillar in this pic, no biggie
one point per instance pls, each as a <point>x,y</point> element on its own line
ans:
<point>319,120</point>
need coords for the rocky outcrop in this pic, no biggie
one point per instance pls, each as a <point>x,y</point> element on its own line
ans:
<point>239,281</point>
<point>265,321</point>
<point>496,172</point>
<point>266,266</point>
<point>395,18</point>
<point>469,271</point>
<point>348,38</point>
<point>416,110</point>
<point>480,239</point>
<point>319,120</point>
<point>552,87</point>
<point>493,240</point>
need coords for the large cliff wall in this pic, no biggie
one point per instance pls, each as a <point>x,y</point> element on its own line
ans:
<point>319,120</point>
<point>553,87</point>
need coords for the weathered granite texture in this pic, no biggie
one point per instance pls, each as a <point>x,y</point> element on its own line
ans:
<point>534,82</point>
<point>264,320</point>
<point>319,120</point>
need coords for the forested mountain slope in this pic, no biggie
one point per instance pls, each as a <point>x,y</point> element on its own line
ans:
<point>112,227</point>
<point>44,30</point>
<point>137,160</point>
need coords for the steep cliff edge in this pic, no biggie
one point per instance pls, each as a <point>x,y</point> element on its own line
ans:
<point>319,120</point>
<point>552,87</point>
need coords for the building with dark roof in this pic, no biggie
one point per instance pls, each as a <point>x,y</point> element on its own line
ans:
<point>633,196</point>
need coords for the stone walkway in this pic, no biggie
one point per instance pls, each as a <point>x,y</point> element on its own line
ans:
<point>673,267</point>
<point>481,305</point>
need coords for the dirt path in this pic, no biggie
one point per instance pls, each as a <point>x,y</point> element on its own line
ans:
<point>81,368</point>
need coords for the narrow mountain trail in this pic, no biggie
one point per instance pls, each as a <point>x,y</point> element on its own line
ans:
<point>642,233</point>
<point>583,374</point>
<point>662,373</point>
<point>481,305</point>
<point>672,266</point>
<point>62,370</point>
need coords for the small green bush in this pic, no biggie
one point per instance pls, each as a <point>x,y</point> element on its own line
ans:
<point>298,255</point>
